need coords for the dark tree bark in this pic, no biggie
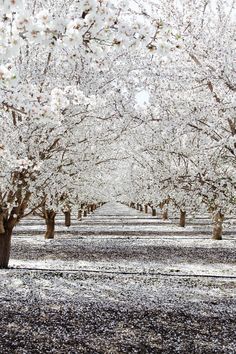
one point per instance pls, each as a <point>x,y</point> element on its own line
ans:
<point>2,229</point>
<point>7,223</point>
<point>145,208</point>
<point>165,214</point>
<point>154,212</point>
<point>67,218</point>
<point>218,226</point>
<point>5,245</point>
<point>182,219</point>
<point>50,224</point>
<point>80,213</point>
<point>8,220</point>
<point>92,207</point>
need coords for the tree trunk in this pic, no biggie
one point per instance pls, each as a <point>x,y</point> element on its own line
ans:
<point>2,229</point>
<point>5,246</point>
<point>154,212</point>
<point>141,207</point>
<point>182,219</point>
<point>50,223</point>
<point>80,212</point>
<point>146,209</point>
<point>165,214</point>
<point>85,213</point>
<point>7,223</point>
<point>67,218</point>
<point>218,226</point>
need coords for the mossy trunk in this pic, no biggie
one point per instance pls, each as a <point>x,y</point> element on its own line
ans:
<point>182,219</point>
<point>218,226</point>
<point>165,214</point>
<point>5,245</point>
<point>67,218</point>
<point>50,224</point>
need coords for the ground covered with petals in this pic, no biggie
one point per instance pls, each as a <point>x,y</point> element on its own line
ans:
<point>119,282</point>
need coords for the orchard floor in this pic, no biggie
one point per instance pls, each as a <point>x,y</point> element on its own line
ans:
<point>120,282</point>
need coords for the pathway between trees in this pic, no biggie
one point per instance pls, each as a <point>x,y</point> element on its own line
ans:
<point>116,238</point>
<point>119,281</point>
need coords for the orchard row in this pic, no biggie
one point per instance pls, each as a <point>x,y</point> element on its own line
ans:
<point>116,100</point>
